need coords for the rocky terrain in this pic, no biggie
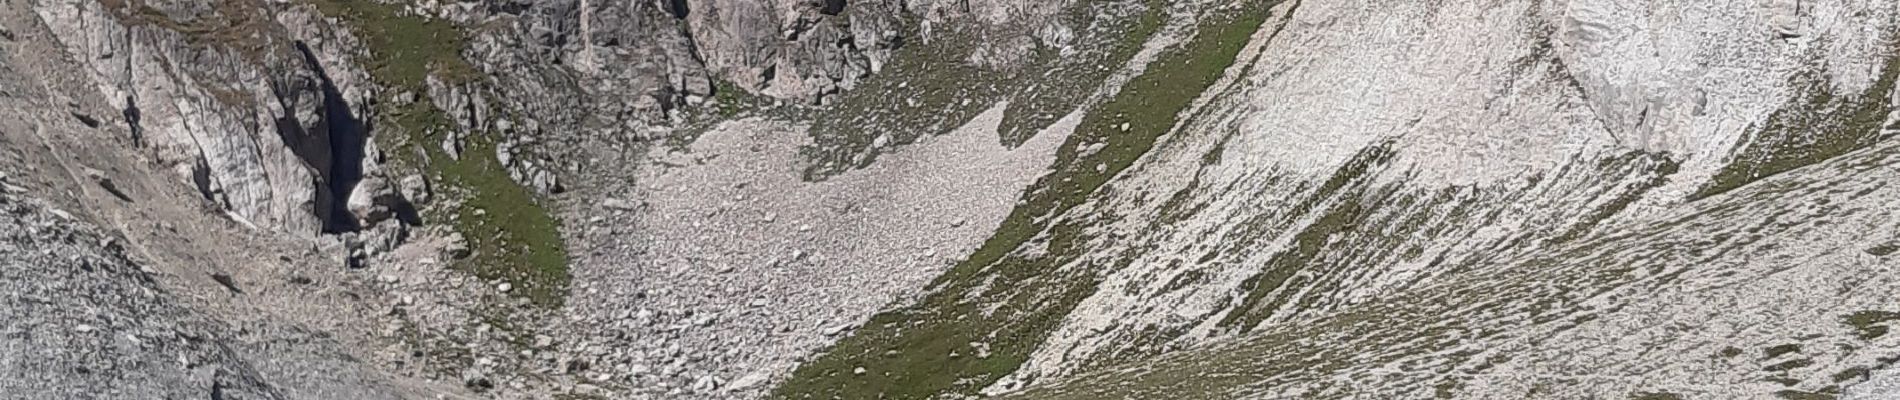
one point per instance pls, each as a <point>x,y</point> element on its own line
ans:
<point>914,199</point>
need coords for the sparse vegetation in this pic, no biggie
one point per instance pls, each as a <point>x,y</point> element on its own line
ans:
<point>1345,214</point>
<point>929,88</point>
<point>1070,77</point>
<point>906,352</point>
<point>1818,126</point>
<point>1789,365</point>
<point>512,236</point>
<point>1801,395</point>
<point>1777,351</point>
<point>1657,166</point>
<point>1870,324</point>
<point>1851,374</point>
<point>1655,396</point>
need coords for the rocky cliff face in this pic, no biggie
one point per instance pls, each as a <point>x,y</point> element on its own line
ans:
<point>221,95</point>
<point>87,320</point>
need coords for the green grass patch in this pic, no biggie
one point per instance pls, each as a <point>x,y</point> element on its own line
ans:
<point>1657,166</point>
<point>1777,351</point>
<point>513,238</point>
<point>403,49</point>
<point>511,234</point>
<point>1851,374</point>
<point>729,101</point>
<point>926,89</point>
<point>906,352</point>
<point>1815,127</point>
<point>929,88</point>
<point>1056,89</point>
<point>1870,324</point>
<point>1801,395</point>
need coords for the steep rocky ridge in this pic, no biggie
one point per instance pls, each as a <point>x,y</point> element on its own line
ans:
<point>221,95</point>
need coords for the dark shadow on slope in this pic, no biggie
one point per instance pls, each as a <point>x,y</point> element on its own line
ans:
<point>132,116</point>
<point>339,158</point>
<point>832,7</point>
<point>678,8</point>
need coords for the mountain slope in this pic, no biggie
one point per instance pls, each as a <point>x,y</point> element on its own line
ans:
<point>1776,288</point>
<point>1357,152</point>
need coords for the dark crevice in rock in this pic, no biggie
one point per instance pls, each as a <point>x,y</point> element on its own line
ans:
<point>508,7</point>
<point>341,165</point>
<point>678,8</point>
<point>86,119</point>
<point>132,116</point>
<point>228,283</point>
<point>201,178</point>
<point>406,212</point>
<point>832,7</point>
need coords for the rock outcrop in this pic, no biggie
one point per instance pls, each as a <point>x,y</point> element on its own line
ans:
<point>85,320</point>
<point>243,111</point>
<point>259,105</point>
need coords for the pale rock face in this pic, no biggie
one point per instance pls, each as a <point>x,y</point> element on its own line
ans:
<point>794,49</point>
<point>664,53</point>
<point>1527,115</point>
<point>256,129</point>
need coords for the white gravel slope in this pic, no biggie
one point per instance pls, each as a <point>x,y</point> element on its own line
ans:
<point>720,266</point>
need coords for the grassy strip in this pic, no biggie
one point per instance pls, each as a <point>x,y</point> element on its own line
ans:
<point>933,347</point>
<point>1054,91</point>
<point>926,89</point>
<point>1870,324</point>
<point>511,235</point>
<point>404,49</point>
<point>1657,165</point>
<point>929,88</point>
<point>1340,219</point>
<point>1809,130</point>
